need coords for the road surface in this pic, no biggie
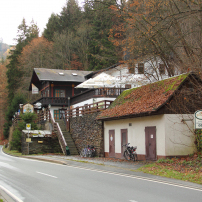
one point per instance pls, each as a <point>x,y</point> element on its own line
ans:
<point>35,181</point>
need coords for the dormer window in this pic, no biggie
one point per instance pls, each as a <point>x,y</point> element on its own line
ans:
<point>161,69</point>
<point>61,73</point>
<point>140,68</point>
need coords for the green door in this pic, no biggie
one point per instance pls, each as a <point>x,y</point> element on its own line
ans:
<point>56,114</point>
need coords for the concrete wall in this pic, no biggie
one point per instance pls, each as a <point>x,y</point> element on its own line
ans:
<point>173,137</point>
<point>85,130</point>
<point>136,133</point>
<point>179,135</point>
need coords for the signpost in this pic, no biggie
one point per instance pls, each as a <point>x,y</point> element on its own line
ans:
<point>28,140</point>
<point>198,119</point>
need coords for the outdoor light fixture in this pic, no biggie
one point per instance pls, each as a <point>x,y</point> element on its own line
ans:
<point>49,106</point>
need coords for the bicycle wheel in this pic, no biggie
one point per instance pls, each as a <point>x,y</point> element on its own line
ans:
<point>82,153</point>
<point>134,157</point>
<point>127,155</point>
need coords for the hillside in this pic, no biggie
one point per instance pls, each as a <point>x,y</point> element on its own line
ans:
<point>3,49</point>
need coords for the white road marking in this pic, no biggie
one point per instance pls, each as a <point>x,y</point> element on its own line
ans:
<point>47,175</point>
<point>10,194</point>
<point>141,178</point>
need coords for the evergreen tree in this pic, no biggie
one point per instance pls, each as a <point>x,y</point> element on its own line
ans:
<point>14,74</point>
<point>12,108</point>
<point>70,16</point>
<point>101,53</point>
<point>52,27</point>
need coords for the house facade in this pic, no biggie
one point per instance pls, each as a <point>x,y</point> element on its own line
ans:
<point>57,87</point>
<point>154,118</point>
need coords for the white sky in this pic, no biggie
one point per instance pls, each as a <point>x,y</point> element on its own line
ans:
<point>13,11</point>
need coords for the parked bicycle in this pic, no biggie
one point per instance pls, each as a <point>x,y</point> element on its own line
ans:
<point>130,152</point>
<point>88,151</point>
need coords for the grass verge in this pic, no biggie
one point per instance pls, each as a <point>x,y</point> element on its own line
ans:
<point>187,169</point>
<point>12,152</point>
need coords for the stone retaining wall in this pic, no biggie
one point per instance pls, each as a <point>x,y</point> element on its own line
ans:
<point>85,130</point>
<point>48,145</point>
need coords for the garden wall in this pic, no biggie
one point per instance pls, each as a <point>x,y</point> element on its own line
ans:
<point>40,145</point>
<point>86,130</point>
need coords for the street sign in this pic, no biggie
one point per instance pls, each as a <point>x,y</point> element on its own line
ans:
<point>198,119</point>
<point>28,126</point>
<point>28,139</point>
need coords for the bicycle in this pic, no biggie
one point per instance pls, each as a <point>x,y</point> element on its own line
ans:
<point>89,151</point>
<point>130,152</point>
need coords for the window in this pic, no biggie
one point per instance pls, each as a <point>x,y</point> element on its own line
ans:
<point>59,93</point>
<point>140,68</point>
<point>161,68</point>
<point>127,86</point>
<point>131,68</point>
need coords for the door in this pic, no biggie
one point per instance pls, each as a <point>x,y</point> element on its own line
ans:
<point>124,140</point>
<point>111,143</point>
<point>56,114</point>
<point>59,114</point>
<point>150,142</point>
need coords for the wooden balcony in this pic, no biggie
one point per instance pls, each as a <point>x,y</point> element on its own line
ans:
<point>54,101</point>
<point>96,93</point>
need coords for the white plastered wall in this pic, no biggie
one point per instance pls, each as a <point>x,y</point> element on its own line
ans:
<point>136,133</point>
<point>179,134</point>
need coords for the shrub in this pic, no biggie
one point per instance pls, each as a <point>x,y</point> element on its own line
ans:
<point>17,140</point>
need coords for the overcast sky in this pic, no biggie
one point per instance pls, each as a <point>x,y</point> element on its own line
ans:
<point>13,11</point>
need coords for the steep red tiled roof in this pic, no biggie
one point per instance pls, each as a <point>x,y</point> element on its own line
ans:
<point>144,99</point>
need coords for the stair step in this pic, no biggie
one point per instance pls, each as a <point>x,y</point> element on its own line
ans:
<point>70,143</point>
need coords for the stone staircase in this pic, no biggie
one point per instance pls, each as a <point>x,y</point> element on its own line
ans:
<point>70,143</point>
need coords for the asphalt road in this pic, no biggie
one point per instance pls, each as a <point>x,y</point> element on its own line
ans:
<point>31,180</point>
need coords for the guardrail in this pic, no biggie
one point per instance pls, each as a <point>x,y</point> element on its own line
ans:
<point>88,109</point>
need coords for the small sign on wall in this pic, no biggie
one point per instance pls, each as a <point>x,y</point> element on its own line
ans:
<point>28,108</point>
<point>198,119</point>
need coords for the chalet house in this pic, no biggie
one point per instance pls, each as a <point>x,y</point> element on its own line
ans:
<point>157,118</point>
<point>56,86</point>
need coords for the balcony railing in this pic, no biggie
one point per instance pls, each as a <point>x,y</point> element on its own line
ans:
<point>60,101</point>
<point>88,94</point>
<point>96,93</point>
